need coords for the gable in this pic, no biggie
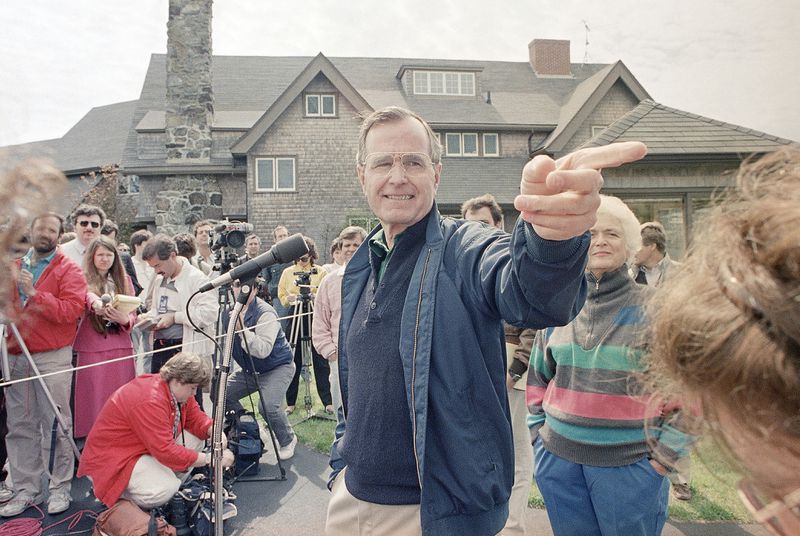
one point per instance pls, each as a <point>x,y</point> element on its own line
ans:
<point>319,65</point>
<point>586,97</point>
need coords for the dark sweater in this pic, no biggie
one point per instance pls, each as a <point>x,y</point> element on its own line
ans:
<point>378,447</point>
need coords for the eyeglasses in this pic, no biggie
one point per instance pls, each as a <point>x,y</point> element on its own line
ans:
<point>413,164</point>
<point>781,517</point>
<point>87,223</point>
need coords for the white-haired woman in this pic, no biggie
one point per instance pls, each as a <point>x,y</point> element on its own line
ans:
<point>589,421</point>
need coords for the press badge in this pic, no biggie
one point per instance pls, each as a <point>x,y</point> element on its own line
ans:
<point>162,305</point>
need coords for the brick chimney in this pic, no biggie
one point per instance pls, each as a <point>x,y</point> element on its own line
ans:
<point>549,57</point>
<point>190,99</point>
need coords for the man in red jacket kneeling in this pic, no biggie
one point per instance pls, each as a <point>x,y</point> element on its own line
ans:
<point>148,435</point>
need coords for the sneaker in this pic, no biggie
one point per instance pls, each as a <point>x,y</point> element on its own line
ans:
<point>19,504</point>
<point>289,410</point>
<point>58,502</point>
<point>284,453</point>
<point>329,409</point>
<point>6,493</point>
<point>682,492</point>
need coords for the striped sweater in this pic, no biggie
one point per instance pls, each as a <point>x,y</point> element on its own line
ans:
<point>583,397</point>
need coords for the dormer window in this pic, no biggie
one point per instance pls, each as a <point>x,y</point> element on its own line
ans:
<point>444,83</point>
<point>320,105</point>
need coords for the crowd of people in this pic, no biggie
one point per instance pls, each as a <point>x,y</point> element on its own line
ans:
<point>460,360</point>
<point>72,304</point>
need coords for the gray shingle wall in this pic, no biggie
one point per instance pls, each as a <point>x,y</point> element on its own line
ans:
<point>618,101</point>
<point>327,189</point>
<point>151,146</point>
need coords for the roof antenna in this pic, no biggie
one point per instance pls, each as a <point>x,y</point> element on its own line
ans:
<point>586,43</point>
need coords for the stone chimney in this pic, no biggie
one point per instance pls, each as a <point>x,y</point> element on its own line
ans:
<point>549,57</point>
<point>187,197</point>
<point>190,99</point>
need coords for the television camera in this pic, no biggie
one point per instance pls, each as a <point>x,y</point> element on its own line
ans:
<point>225,239</point>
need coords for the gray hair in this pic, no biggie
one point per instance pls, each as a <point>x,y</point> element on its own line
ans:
<point>391,114</point>
<point>615,207</point>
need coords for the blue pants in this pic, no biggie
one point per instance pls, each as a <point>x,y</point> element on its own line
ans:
<point>584,500</point>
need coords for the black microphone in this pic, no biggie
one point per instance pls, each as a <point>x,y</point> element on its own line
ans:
<point>106,299</point>
<point>286,250</point>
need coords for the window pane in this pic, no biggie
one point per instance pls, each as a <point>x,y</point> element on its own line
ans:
<point>264,177</point>
<point>467,83</point>
<point>668,211</point>
<point>471,144</point>
<point>312,104</point>
<point>453,144</point>
<point>451,83</point>
<point>420,82</point>
<point>437,83</point>
<point>328,105</point>
<point>490,145</point>
<point>285,174</point>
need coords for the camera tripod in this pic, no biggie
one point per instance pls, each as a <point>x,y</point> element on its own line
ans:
<point>58,421</point>
<point>222,363</point>
<point>301,334</point>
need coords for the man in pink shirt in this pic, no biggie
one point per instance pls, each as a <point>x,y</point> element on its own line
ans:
<point>327,309</point>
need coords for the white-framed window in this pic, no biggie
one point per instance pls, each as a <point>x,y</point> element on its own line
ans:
<point>275,174</point>
<point>452,144</point>
<point>461,144</point>
<point>365,222</point>
<point>320,105</point>
<point>444,83</point>
<point>469,144</point>
<point>491,144</point>
<point>597,129</point>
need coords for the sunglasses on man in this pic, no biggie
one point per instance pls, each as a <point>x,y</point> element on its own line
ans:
<point>87,223</point>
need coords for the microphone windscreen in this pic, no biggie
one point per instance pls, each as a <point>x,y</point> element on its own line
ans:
<point>106,299</point>
<point>291,248</point>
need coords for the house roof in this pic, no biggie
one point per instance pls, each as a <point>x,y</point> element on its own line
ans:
<point>263,86</point>
<point>96,140</point>
<point>669,131</point>
<point>320,64</point>
<point>584,100</point>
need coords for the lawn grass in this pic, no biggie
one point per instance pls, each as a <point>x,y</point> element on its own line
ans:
<point>713,482</point>
<point>316,432</point>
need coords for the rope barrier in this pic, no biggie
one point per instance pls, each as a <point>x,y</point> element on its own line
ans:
<point>133,356</point>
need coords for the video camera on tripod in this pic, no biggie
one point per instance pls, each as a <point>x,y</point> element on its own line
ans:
<point>303,282</point>
<point>226,238</point>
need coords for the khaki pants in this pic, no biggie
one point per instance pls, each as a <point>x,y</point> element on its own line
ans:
<point>30,423</point>
<point>348,516</point>
<point>153,484</point>
<point>523,462</point>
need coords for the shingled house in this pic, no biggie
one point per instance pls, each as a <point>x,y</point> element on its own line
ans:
<point>282,137</point>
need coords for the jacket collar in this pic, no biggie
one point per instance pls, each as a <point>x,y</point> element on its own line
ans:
<point>609,284</point>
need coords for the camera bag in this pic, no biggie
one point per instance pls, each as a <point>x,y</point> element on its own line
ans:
<point>125,518</point>
<point>244,440</point>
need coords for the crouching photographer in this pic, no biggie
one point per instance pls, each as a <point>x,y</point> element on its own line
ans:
<point>149,434</point>
<point>265,357</point>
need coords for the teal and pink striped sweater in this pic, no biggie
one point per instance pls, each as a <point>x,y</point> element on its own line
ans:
<point>582,394</point>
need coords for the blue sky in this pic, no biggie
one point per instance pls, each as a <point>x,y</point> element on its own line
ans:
<point>734,61</point>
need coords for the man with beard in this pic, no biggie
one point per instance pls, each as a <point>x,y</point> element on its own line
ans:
<point>49,300</point>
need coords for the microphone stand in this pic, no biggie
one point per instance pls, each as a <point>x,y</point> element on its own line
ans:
<point>219,406</point>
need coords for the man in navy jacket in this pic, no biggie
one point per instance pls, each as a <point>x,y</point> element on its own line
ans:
<point>424,440</point>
